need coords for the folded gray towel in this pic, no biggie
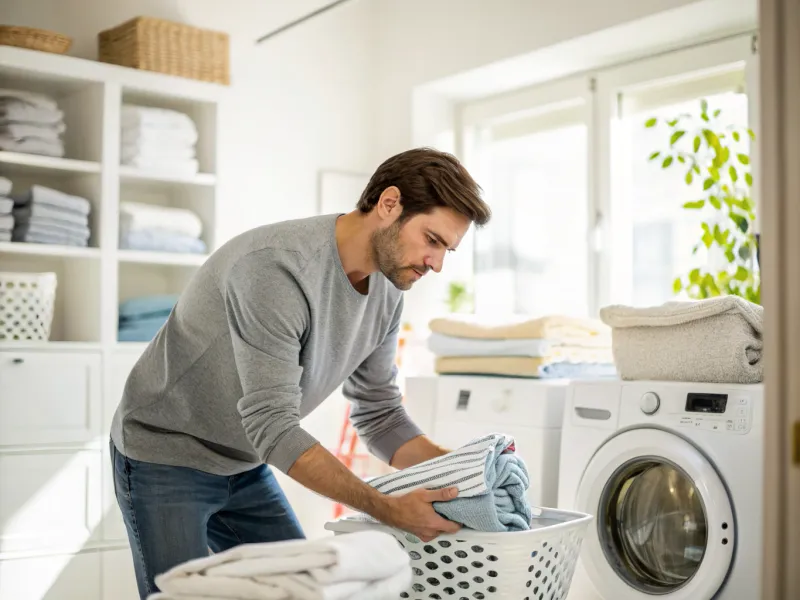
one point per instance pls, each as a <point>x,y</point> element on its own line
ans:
<point>44,211</point>
<point>717,340</point>
<point>25,229</point>
<point>54,225</point>
<point>39,194</point>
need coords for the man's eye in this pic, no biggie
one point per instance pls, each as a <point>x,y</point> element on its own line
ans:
<point>432,241</point>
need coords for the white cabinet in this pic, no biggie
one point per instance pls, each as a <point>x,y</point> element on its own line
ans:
<point>49,500</point>
<point>49,398</point>
<point>60,577</point>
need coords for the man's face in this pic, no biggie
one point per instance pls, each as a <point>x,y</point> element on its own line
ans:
<point>405,251</point>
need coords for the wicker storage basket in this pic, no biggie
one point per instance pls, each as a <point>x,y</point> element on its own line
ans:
<point>34,39</point>
<point>166,47</point>
<point>26,306</point>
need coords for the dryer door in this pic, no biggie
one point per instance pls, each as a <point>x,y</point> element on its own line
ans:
<point>664,519</point>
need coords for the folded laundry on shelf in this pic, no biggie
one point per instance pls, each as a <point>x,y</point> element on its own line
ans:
<point>716,340</point>
<point>46,216</point>
<point>160,229</point>
<point>140,318</point>
<point>30,123</point>
<point>161,241</point>
<point>523,366</point>
<point>158,139</point>
<point>368,565</point>
<point>491,478</point>
<point>5,186</point>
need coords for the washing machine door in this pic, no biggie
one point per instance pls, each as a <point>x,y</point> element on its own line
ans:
<point>664,521</point>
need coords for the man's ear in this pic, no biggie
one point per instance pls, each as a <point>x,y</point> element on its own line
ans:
<point>389,207</point>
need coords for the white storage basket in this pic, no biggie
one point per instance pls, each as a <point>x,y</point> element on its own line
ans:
<point>26,306</point>
<point>526,565</point>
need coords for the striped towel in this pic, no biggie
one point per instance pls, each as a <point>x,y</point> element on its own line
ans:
<point>491,478</point>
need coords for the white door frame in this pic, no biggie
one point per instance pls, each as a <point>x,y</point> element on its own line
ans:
<point>779,51</point>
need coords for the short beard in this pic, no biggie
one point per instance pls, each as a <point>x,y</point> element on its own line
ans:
<point>385,249</point>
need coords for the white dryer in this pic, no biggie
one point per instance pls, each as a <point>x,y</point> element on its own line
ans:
<point>673,474</point>
<point>454,409</point>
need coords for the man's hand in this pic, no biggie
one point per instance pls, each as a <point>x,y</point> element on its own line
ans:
<point>414,513</point>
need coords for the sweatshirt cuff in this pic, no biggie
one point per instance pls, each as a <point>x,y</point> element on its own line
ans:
<point>385,446</point>
<point>289,447</point>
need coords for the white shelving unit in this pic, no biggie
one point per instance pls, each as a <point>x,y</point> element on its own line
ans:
<point>61,534</point>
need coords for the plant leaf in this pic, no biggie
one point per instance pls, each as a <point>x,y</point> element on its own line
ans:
<point>743,158</point>
<point>672,123</point>
<point>696,168</point>
<point>654,155</point>
<point>736,136</point>
<point>742,274</point>
<point>748,179</point>
<point>676,136</point>
<point>729,255</point>
<point>696,143</point>
<point>745,252</point>
<point>708,184</point>
<point>708,239</point>
<point>714,172</point>
<point>704,105</point>
<point>751,134</point>
<point>734,175</point>
<point>695,205</point>
<point>726,154</point>
<point>694,276</point>
<point>651,122</point>
<point>717,113</point>
<point>667,162</point>
<point>714,201</point>
<point>677,285</point>
<point>689,178</point>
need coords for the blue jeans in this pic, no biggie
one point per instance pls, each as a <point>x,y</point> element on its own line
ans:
<point>176,514</point>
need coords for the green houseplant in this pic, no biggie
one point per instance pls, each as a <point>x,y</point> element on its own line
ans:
<point>458,297</point>
<point>703,149</point>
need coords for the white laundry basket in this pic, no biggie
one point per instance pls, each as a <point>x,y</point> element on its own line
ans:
<point>526,565</point>
<point>27,301</point>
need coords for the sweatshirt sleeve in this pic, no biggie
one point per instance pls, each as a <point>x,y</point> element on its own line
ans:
<point>377,411</point>
<point>267,315</point>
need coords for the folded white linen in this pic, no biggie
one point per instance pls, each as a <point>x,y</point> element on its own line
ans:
<point>581,330</point>
<point>337,568</point>
<point>32,145</point>
<point>134,117</point>
<point>41,101</point>
<point>6,205</point>
<point>159,165</point>
<point>446,345</point>
<point>152,152</point>
<point>137,216</point>
<point>39,194</point>
<point>17,111</point>
<point>155,136</point>
<point>22,131</point>
<point>717,340</point>
<point>5,186</point>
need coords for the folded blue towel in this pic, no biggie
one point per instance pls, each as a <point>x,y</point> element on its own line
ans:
<point>143,330</point>
<point>567,370</point>
<point>143,307</point>
<point>491,479</point>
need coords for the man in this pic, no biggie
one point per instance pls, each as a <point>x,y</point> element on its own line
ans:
<point>270,326</point>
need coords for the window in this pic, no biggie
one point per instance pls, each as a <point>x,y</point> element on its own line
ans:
<point>533,256</point>
<point>582,217</point>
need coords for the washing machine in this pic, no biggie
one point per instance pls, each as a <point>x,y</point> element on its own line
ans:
<point>454,409</point>
<point>673,474</point>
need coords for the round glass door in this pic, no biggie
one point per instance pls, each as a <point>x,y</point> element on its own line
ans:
<point>653,525</point>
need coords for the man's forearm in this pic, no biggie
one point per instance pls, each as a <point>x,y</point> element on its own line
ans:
<point>321,472</point>
<point>415,451</point>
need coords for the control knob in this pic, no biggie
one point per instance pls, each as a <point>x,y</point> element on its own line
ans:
<point>649,403</point>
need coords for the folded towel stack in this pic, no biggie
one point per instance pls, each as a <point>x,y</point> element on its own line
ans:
<point>492,482</point>
<point>159,229</point>
<point>718,340</point>
<point>158,139</point>
<point>46,216</point>
<point>30,123</point>
<point>547,347</point>
<point>141,318</point>
<point>6,214</point>
<point>368,565</point>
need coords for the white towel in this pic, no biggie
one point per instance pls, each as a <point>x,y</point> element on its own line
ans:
<point>32,145</point>
<point>717,340</point>
<point>41,195</point>
<point>5,186</point>
<point>134,117</point>
<point>21,131</point>
<point>155,136</point>
<point>367,565</point>
<point>136,216</point>
<point>445,345</point>
<point>41,101</point>
<point>6,205</point>
<point>152,151</point>
<point>159,165</point>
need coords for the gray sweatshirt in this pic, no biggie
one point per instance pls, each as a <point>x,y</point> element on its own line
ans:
<point>267,329</point>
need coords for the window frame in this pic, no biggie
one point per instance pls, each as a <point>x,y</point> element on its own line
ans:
<point>600,90</point>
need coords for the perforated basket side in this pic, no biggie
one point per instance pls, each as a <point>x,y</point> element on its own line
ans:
<point>27,302</point>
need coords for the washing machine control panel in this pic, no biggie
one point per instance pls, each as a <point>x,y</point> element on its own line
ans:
<point>717,412</point>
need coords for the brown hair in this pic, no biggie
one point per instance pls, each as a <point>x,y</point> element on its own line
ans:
<point>427,178</point>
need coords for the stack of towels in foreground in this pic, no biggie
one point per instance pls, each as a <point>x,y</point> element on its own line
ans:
<point>546,347</point>
<point>158,139</point>
<point>159,229</point>
<point>30,123</point>
<point>140,318</point>
<point>718,340</point>
<point>42,215</point>
<point>491,478</point>
<point>367,565</point>
<point>6,208</point>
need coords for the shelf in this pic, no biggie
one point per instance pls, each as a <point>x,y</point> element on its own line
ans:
<point>50,346</point>
<point>34,164</point>
<point>48,250</point>
<point>134,174</point>
<point>161,258</point>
